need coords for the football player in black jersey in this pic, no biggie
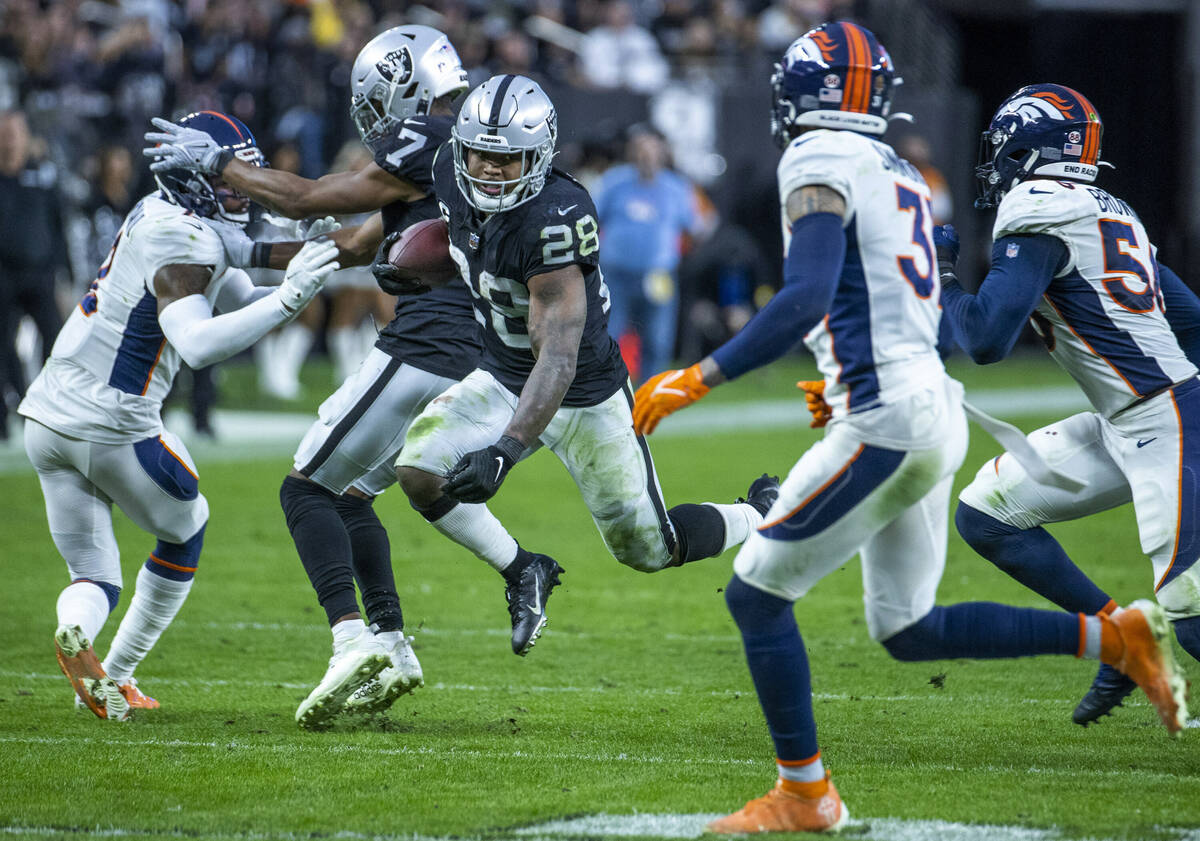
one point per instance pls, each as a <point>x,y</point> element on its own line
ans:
<point>404,86</point>
<point>524,236</point>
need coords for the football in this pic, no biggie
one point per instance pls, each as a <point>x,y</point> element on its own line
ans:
<point>423,253</point>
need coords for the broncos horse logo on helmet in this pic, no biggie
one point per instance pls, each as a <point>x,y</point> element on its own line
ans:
<point>1047,130</point>
<point>837,76</point>
<point>196,192</point>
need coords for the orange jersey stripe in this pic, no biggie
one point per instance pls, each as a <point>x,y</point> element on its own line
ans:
<point>175,455</point>
<point>170,565</point>
<point>798,763</point>
<point>818,491</point>
<point>157,356</point>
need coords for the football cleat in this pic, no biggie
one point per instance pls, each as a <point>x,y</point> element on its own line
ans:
<point>1145,656</point>
<point>95,689</point>
<point>527,597</point>
<point>784,811</point>
<point>1108,690</point>
<point>136,698</point>
<point>403,675</point>
<point>762,494</point>
<point>350,667</point>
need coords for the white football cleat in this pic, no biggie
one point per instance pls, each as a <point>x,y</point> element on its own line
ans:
<point>403,675</point>
<point>350,667</point>
<point>93,688</point>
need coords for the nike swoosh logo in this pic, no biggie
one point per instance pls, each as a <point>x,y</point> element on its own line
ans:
<point>1040,192</point>
<point>499,468</point>
<point>1147,441</point>
<point>536,610</point>
<point>568,210</point>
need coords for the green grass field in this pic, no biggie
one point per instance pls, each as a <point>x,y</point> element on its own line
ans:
<point>636,700</point>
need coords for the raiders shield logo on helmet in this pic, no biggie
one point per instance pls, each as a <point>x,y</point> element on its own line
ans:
<point>397,66</point>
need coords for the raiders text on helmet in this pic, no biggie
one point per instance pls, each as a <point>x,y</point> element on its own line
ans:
<point>510,115</point>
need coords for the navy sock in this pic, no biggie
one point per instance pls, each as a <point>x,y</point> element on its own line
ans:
<point>986,630</point>
<point>699,529</point>
<point>371,557</point>
<point>1032,557</point>
<point>1187,631</point>
<point>322,543</point>
<point>779,665</point>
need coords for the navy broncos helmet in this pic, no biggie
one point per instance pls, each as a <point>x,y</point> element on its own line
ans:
<point>195,191</point>
<point>837,76</point>
<point>1048,130</point>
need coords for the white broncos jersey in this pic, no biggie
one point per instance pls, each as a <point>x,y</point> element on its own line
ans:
<point>879,339</point>
<point>111,366</point>
<point>1102,316</point>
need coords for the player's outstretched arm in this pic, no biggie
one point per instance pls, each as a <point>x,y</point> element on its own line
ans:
<point>356,246</point>
<point>1183,312</point>
<point>810,275</point>
<point>367,189</point>
<point>988,323</point>
<point>557,315</point>
<point>202,338</point>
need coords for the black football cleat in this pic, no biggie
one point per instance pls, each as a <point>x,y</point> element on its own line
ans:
<point>527,597</point>
<point>1108,690</point>
<point>762,493</point>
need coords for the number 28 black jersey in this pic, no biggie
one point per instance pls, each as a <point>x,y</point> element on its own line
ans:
<point>435,332</point>
<point>500,252</point>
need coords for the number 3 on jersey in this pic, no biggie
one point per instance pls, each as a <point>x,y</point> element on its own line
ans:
<point>922,237</point>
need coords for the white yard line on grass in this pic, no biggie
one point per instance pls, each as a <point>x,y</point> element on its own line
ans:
<point>243,435</point>
<point>624,826</point>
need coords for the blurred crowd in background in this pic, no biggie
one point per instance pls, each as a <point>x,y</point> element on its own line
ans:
<point>80,80</point>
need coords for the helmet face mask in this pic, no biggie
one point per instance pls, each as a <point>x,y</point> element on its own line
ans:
<point>837,76</point>
<point>1040,131</point>
<point>399,74</point>
<point>506,115</point>
<point>207,195</point>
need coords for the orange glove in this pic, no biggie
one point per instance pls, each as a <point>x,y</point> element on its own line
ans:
<point>665,393</point>
<point>814,397</point>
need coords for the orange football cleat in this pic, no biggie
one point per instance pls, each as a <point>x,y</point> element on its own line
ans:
<point>137,700</point>
<point>781,810</point>
<point>1137,642</point>
<point>92,686</point>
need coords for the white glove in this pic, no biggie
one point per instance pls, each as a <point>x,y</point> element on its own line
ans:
<point>182,148</point>
<point>294,229</point>
<point>239,246</point>
<point>306,274</point>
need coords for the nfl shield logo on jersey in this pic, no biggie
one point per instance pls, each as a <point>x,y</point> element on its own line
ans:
<point>1012,250</point>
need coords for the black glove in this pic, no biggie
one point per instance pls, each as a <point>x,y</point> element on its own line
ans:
<point>390,279</point>
<point>478,475</point>
<point>945,240</point>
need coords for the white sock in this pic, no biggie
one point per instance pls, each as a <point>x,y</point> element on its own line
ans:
<point>390,639</point>
<point>346,632</point>
<point>84,604</point>
<point>740,521</point>
<point>1091,639</point>
<point>155,602</point>
<point>291,349</point>
<point>810,773</point>
<point>476,528</point>
<point>345,349</point>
